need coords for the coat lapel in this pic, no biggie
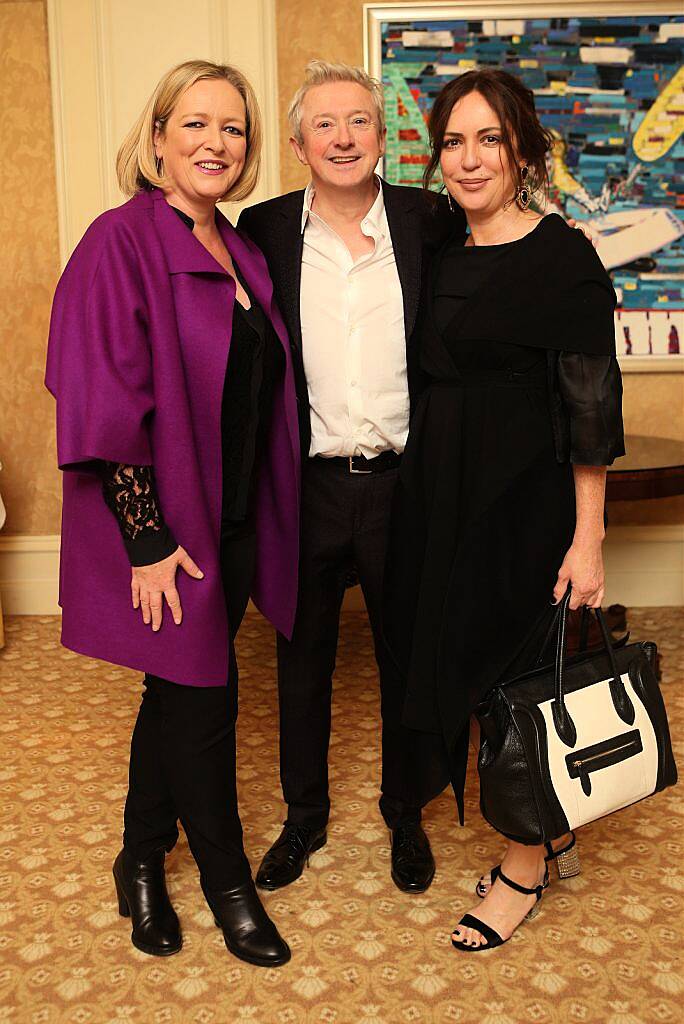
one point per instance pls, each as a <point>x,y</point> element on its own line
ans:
<point>186,255</point>
<point>403,218</point>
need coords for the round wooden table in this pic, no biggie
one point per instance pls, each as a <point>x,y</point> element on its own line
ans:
<point>652,468</point>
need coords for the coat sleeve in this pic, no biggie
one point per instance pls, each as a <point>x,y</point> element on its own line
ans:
<point>99,365</point>
<point>590,389</point>
<point>579,305</point>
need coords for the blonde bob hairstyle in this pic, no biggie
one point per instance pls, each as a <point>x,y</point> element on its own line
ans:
<point>137,166</point>
<point>320,72</point>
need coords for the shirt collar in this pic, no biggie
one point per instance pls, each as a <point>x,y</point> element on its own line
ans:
<point>374,219</point>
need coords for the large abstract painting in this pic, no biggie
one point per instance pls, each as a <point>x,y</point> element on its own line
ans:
<point>611,90</point>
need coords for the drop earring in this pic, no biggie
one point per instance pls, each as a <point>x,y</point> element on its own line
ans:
<point>523,193</point>
<point>450,201</point>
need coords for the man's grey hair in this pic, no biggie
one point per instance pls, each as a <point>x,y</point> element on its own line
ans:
<point>320,72</point>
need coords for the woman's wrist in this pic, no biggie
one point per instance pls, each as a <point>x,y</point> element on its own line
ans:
<point>589,534</point>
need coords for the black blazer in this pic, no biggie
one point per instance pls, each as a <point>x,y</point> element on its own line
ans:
<point>419,223</point>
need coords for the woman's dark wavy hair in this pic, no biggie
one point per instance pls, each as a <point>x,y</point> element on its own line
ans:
<point>523,137</point>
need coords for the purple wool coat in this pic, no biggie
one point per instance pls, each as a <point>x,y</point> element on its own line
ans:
<point>139,342</point>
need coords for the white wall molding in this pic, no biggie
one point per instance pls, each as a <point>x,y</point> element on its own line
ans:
<point>644,568</point>
<point>106,56</point>
<point>644,565</point>
<point>29,574</point>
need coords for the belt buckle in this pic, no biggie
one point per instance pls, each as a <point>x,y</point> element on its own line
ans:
<point>351,467</point>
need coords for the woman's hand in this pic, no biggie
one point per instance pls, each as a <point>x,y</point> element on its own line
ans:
<point>581,226</point>
<point>583,568</point>
<point>151,583</point>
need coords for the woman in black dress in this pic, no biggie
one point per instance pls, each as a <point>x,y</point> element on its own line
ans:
<point>500,503</point>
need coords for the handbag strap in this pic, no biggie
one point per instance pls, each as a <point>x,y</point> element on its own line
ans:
<point>621,700</point>
<point>565,727</point>
<point>553,626</point>
<point>584,629</point>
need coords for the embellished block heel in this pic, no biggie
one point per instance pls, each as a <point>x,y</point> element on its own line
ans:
<point>567,858</point>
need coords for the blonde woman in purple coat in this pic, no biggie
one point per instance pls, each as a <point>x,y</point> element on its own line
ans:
<point>177,434</point>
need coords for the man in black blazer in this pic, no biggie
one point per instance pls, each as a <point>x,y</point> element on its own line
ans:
<point>347,257</point>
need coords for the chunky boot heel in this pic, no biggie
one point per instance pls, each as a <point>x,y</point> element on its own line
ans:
<point>141,892</point>
<point>124,910</point>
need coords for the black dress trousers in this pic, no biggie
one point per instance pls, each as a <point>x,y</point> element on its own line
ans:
<point>345,520</point>
<point>183,758</point>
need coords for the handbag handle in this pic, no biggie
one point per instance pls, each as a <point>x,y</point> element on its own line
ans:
<point>565,727</point>
<point>553,626</point>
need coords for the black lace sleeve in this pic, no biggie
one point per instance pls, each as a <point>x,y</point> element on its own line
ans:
<point>130,493</point>
<point>591,390</point>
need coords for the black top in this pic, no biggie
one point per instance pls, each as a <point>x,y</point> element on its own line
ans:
<point>458,274</point>
<point>588,384</point>
<point>255,363</point>
<point>550,291</point>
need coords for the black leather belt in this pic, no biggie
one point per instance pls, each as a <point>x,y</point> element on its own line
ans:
<point>360,464</point>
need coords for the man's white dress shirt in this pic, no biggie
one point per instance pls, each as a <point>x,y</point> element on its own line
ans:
<point>353,340</point>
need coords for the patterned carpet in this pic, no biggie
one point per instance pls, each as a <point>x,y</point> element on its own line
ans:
<point>605,949</point>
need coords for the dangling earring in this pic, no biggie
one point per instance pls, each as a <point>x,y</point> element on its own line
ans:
<point>450,201</point>
<point>523,193</point>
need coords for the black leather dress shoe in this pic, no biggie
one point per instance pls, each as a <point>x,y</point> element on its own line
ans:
<point>413,866</point>
<point>286,859</point>
<point>248,931</point>
<point>142,895</point>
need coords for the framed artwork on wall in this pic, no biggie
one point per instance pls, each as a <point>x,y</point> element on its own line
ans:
<point>608,80</point>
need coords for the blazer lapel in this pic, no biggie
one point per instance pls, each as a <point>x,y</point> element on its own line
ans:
<point>404,223</point>
<point>289,265</point>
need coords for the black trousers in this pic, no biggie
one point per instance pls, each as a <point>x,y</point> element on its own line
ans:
<point>183,758</point>
<point>345,525</point>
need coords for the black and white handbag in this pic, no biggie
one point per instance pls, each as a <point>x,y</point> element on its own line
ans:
<point>566,744</point>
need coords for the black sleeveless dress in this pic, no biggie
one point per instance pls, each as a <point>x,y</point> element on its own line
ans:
<point>484,511</point>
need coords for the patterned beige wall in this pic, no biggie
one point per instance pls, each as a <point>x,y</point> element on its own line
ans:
<point>654,403</point>
<point>29,266</point>
<point>332,31</point>
<point>29,260</point>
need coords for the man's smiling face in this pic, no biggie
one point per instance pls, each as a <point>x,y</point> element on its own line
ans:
<point>341,142</point>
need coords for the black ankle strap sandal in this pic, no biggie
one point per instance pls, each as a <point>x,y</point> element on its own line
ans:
<point>493,938</point>
<point>566,860</point>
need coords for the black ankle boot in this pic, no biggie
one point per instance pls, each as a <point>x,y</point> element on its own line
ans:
<point>248,931</point>
<point>141,890</point>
